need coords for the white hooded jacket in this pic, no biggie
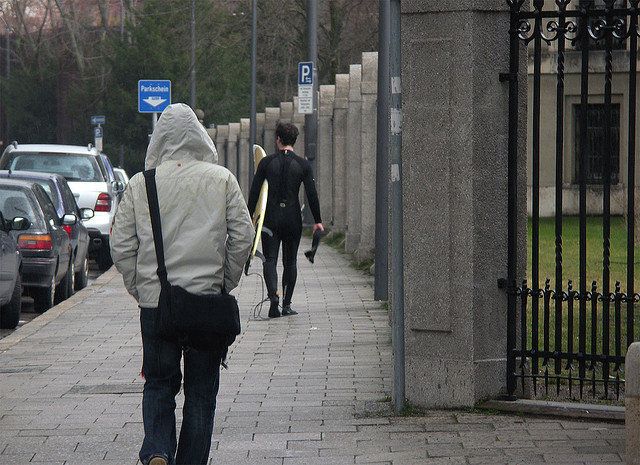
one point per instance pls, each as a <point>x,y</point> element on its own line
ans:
<point>206,227</point>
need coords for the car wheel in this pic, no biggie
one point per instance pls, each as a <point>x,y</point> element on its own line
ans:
<point>65,288</point>
<point>10,313</point>
<point>104,258</point>
<point>43,296</point>
<point>82,276</point>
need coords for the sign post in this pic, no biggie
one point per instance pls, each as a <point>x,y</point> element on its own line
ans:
<point>153,97</point>
<point>97,121</point>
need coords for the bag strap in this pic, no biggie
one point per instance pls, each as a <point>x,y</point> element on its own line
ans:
<point>156,226</point>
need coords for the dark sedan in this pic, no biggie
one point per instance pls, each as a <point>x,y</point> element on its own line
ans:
<point>47,271</point>
<point>64,202</point>
<point>10,270</point>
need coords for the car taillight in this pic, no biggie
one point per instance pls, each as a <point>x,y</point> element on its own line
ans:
<point>103,204</point>
<point>67,228</point>
<point>34,242</point>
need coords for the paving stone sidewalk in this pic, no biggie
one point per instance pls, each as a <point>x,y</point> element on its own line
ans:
<point>303,389</point>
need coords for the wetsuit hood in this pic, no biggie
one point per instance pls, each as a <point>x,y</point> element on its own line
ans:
<point>179,136</point>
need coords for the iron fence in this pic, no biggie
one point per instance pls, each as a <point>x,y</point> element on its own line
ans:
<point>585,330</point>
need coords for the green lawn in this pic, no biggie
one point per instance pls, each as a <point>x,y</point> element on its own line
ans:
<point>570,252</point>
<point>570,265</point>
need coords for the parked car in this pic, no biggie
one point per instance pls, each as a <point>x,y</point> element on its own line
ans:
<point>10,271</point>
<point>121,175</point>
<point>64,202</point>
<point>90,177</point>
<point>47,266</point>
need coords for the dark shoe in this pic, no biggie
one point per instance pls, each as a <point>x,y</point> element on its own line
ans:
<point>286,310</point>
<point>158,461</point>
<point>273,309</point>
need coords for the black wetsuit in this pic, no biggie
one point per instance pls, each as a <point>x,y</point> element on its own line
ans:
<point>285,172</point>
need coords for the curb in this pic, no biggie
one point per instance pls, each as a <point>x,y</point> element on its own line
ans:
<point>572,410</point>
<point>41,321</point>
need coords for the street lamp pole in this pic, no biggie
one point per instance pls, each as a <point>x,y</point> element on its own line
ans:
<point>192,100</point>
<point>381,286</point>
<point>254,54</point>
<point>311,121</point>
<point>121,157</point>
<point>7,72</point>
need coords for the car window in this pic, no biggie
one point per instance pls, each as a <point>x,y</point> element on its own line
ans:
<point>69,200</point>
<point>16,202</point>
<point>104,171</point>
<point>108,167</point>
<point>120,177</point>
<point>74,167</point>
<point>50,188</point>
<point>46,205</point>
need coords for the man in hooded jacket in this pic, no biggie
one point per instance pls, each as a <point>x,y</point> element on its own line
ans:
<point>207,235</point>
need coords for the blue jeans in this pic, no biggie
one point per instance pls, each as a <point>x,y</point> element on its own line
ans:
<point>161,366</point>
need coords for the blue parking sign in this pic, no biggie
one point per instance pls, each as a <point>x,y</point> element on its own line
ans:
<point>305,73</point>
<point>153,96</point>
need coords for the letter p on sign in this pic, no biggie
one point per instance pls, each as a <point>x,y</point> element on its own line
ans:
<point>305,72</point>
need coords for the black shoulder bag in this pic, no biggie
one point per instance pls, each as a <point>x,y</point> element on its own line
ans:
<point>204,322</point>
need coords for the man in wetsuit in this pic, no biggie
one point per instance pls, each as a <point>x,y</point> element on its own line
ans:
<point>285,172</point>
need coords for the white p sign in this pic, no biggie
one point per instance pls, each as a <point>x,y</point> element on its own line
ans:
<point>305,73</point>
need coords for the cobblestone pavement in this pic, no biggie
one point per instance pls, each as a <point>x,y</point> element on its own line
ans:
<point>304,389</point>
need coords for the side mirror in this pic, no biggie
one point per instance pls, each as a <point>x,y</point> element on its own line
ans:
<point>86,213</point>
<point>118,186</point>
<point>69,219</point>
<point>19,224</point>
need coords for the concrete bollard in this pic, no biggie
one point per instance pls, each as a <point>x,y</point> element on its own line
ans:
<point>632,404</point>
<point>222,133</point>
<point>324,175</point>
<point>272,114</point>
<point>232,148</point>
<point>339,132</point>
<point>354,151</point>
<point>260,119</point>
<point>244,152</point>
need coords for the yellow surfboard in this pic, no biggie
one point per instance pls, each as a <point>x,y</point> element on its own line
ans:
<point>261,206</point>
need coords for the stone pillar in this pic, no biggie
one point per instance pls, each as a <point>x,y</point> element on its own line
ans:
<point>222,134</point>
<point>286,112</point>
<point>324,175</point>
<point>353,172</point>
<point>298,120</point>
<point>369,86</point>
<point>212,134</point>
<point>232,148</point>
<point>260,119</point>
<point>271,120</point>
<point>454,180</point>
<point>340,106</point>
<point>632,404</point>
<point>244,152</point>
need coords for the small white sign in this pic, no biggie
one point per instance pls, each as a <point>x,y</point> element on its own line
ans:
<point>305,90</point>
<point>97,133</point>
<point>305,105</point>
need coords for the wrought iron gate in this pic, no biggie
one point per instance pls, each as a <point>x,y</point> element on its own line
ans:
<point>574,338</point>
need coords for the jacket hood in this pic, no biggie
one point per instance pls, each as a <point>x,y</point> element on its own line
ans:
<point>179,135</point>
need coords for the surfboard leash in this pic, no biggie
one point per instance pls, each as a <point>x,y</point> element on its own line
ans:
<point>257,308</point>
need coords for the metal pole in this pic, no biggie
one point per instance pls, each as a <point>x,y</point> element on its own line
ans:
<point>395,155</point>
<point>7,73</point>
<point>192,98</point>
<point>121,157</point>
<point>121,20</point>
<point>311,121</point>
<point>254,54</point>
<point>381,284</point>
<point>154,120</point>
